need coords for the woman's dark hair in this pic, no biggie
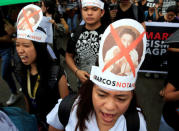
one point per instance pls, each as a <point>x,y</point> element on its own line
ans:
<point>85,105</point>
<point>50,5</point>
<point>43,61</point>
<point>172,8</point>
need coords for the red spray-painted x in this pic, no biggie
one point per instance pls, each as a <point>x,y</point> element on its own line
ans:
<point>123,51</point>
<point>26,19</point>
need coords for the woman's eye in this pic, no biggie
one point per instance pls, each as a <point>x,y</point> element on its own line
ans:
<point>85,9</point>
<point>17,45</point>
<point>26,45</point>
<point>121,99</point>
<point>101,95</point>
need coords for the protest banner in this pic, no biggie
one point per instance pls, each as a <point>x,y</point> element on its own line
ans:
<point>156,52</point>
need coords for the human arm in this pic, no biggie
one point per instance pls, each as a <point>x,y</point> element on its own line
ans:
<point>160,3</point>
<point>113,14</point>
<point>63,22</point>
<point>82,75</point>
<point>63,86</point>
<point>9,28</point>
<point>156,12</point>
<point>6,39</point>
<point>173,49</point>
<point>169,93</point>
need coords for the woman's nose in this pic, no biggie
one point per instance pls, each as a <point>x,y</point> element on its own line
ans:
<point>20,49</point>
<point>110,105</point>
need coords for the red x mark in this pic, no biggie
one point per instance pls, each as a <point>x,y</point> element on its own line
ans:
<point>124,51</point>
<point>26,19</point>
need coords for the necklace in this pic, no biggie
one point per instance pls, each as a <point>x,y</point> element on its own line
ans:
<point>32,96</point>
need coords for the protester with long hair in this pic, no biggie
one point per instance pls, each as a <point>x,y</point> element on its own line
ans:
<point>106,100</point>
<point>42,79</point>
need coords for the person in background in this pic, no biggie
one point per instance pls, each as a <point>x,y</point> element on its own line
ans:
<point>60,33</point>
<point>152,13</point>
<point>48,8</point>
<point>83,46</point>
<point>60,7</point>
<point>170,94</point>
<point>160,12</point>
<point>113,8</point>
<point>72,11</point>
<point>6,47</point>
<point>143,4</point>
<point>127,9</point>
<point>170,15</point>
<point>42,79</point>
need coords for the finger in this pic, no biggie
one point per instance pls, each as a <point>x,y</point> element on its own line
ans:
<point>83,79</point>
<point>88,75</point>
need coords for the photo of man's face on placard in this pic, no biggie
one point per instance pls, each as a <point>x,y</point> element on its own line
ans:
<point>112,49</point>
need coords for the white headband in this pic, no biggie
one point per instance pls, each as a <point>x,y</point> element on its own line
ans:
<point>28,22</point>
<point>96,3</point>
<point>119,61</point>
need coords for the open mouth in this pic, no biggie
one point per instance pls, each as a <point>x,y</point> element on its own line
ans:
<point>23,58</point>
<point>108,118</point>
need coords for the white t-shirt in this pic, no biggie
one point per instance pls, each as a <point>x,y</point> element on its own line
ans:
<point>47,26</point>
<point>120,125</point>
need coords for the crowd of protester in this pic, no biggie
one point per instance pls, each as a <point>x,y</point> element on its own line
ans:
<point>69,30</point>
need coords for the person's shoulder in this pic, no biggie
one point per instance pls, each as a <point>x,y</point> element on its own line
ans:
<point>175,20</point>
<point>80,28</point>
<point>55,70</point>
<point>101,29</point>
<point>52,117</point>
<point>143,126</point>
<point>77,31</point>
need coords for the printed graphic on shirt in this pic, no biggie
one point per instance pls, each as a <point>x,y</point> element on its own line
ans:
<point>87,48</point>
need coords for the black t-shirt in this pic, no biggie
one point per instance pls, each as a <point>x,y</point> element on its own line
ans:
<point>84,44</point>
<point>144,7</point>
<point>148,17</point>
<point>130,14</point>
<point>47,93</point>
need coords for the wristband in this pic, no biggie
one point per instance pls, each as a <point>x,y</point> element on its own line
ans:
<point>76,71</point>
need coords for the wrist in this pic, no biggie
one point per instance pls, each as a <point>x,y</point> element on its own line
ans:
<point>76,71</point>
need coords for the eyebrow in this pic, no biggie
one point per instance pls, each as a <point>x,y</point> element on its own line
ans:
<point>99,90</point>
<point>102,91</point>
